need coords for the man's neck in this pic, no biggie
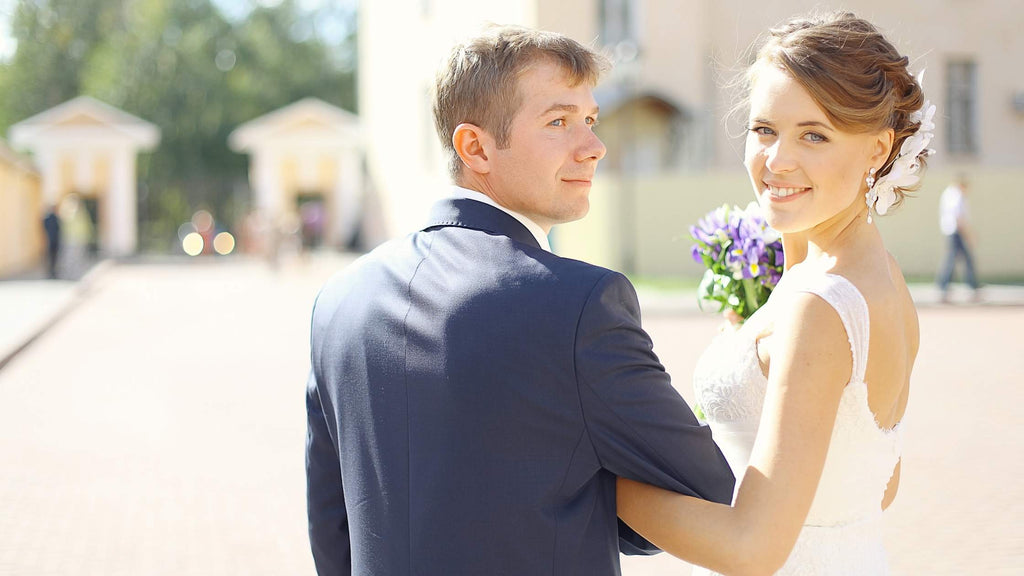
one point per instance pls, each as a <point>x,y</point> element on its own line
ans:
<point>538,232</point>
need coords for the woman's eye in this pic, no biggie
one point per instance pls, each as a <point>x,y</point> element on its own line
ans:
<point>815,137</point>
<point>763,131</point>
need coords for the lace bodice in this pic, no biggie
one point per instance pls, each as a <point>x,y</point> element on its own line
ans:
<point>730,387</point>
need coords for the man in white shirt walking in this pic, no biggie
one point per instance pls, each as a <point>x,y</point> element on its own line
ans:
<point>954,221</point>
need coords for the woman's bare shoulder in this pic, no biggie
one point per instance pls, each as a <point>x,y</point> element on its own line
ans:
<point>891,308</point>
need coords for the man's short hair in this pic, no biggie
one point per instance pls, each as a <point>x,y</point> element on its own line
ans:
<point>478,82</point>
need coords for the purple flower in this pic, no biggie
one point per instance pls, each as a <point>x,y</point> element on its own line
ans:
<point>698,254</point>
<point>743,255</point>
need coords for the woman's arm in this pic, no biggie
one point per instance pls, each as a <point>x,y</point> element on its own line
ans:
<point>893,487</point>
<point>810,366</point>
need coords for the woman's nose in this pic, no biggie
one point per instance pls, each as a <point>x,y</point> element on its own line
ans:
<point>778,158</point>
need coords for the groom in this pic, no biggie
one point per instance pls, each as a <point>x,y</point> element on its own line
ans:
<point>473,396</point>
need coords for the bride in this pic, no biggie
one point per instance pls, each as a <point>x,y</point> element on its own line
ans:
<point>805,399</point>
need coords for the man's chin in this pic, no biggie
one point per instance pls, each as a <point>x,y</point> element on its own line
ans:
<point>577,213</point>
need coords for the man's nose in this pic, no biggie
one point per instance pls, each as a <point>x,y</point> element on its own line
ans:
<point>591,148</point>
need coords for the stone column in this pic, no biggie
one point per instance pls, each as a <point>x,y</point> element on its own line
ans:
<point>121,238</point>
<point>266,179</point>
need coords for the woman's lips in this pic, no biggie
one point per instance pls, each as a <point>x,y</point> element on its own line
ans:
<point>784,194</point>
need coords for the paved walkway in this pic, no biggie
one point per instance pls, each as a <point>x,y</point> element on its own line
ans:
<point>29,305</point>
<point>155,426</point>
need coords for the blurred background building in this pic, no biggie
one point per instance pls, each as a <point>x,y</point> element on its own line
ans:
<point>308,122</point>
<point>21,208</point>
<point>306,170</point>
<point>78,76</point>
<point>675,152</point>
<point>86,148</point>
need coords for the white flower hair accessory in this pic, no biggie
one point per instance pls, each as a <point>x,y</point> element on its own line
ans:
<point>882,192</point>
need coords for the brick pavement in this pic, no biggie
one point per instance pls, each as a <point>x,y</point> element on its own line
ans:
<point>158,429</point>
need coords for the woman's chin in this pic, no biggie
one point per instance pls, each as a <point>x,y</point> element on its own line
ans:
<point>780,223</point>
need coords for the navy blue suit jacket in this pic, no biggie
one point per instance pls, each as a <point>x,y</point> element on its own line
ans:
<point>471,401</point>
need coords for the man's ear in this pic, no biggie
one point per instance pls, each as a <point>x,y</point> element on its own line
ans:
<point>882,146</point>
<point>471,144</point>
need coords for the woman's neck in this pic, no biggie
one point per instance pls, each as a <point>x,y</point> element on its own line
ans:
<point>831,239</point>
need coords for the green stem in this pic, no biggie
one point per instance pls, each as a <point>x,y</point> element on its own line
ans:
<point>749,288</point>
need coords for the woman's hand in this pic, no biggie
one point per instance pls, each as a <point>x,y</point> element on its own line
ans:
<point>733,318</point>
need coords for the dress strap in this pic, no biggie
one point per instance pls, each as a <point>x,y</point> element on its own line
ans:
<point>849,303</point>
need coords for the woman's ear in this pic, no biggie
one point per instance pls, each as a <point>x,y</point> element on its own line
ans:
<point>471,144</point>
<point>881,147</point>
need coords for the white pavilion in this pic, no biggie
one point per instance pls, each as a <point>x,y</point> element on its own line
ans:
<point>306,155</point>
<point>89,148</point>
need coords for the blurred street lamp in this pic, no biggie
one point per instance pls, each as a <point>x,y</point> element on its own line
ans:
<point>193,244</point>
<point>224,243</point>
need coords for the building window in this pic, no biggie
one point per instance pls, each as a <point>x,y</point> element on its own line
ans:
<point>618,22</point>
<point>962,83</point>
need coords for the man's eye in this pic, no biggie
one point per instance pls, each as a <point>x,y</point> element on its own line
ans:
<point>591,121</point>
<point>559,122</point>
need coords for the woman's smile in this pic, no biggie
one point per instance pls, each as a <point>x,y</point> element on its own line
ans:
<point>783,194</point>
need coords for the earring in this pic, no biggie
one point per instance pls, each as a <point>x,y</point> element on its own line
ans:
<point>870,196</point>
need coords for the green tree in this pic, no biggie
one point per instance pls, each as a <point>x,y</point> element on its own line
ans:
<point>55,40</point>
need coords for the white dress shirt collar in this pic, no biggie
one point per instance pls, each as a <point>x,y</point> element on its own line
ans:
<point>533,227</point>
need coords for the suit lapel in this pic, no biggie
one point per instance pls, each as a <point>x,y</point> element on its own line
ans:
<point>466,213</point>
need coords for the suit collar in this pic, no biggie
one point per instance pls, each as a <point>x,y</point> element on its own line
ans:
<point>466,213</point>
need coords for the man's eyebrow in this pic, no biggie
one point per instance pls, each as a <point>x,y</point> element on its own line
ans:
<point>570,108</point>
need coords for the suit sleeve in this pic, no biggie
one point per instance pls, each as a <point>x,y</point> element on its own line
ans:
<point>640,426</point>
<point>325,496</point>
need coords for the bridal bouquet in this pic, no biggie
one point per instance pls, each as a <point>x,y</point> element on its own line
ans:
<point>743,257</point>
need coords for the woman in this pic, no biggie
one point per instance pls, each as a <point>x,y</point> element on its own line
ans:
<point>806,397</point>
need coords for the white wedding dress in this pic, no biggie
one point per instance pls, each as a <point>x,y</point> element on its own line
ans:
<point>842,534</point>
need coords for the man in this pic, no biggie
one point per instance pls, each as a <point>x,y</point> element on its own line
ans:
<point>473,397</point>
<point>955,225</point>
<point>51,225</point>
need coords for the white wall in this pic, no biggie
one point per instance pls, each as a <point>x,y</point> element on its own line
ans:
<point>401,45</point>
<point>401,48</point>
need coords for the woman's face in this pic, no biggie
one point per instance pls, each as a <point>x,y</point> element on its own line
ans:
<point>804,170</point>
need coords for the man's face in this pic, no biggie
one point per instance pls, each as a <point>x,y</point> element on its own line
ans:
<point>545,173</point>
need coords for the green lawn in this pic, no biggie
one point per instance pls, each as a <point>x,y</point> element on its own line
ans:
<point>664,283</point>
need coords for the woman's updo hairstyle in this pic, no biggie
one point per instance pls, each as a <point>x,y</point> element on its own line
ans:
<point>853,73</point>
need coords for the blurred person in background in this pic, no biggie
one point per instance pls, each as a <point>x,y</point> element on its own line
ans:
<point>78,235</point>
<point>51,225</point>
<point>954,221</point>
